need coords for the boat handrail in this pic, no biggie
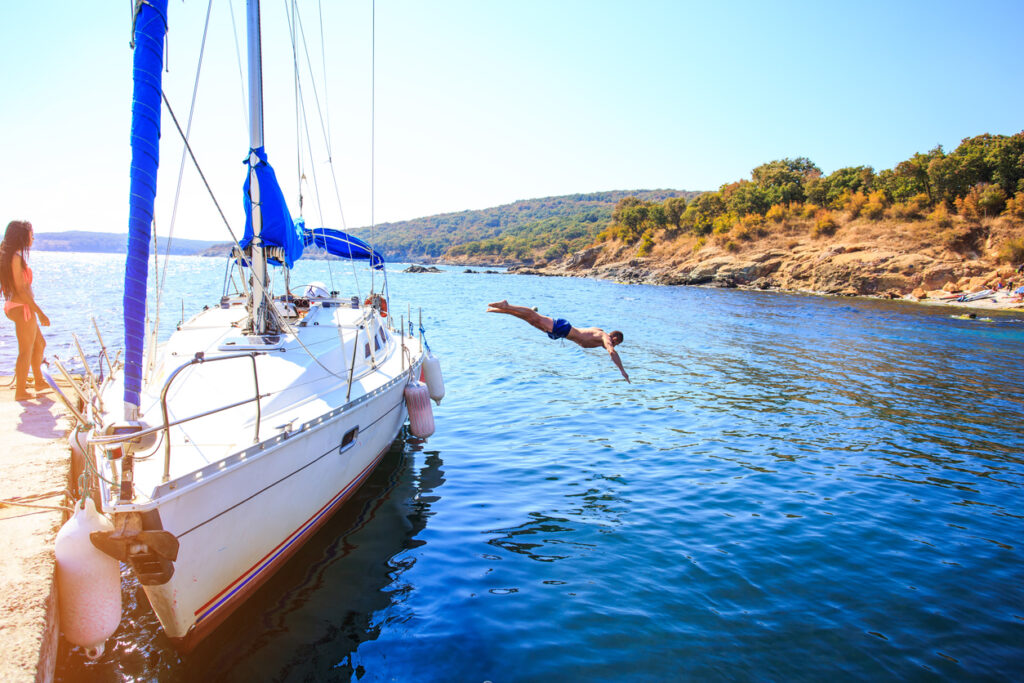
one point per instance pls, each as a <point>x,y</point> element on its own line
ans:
<point>112,439</point>
<point>199,358</point>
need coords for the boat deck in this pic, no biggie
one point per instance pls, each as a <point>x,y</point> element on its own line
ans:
<point>35,460</point>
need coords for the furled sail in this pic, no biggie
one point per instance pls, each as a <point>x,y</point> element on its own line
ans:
<point>148,59</point>
<point>342,244</point>
<point>279,230</point>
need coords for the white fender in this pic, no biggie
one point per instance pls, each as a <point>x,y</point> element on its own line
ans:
<point>88,582</point>
<point>432,376</point>
<point>421,416</point>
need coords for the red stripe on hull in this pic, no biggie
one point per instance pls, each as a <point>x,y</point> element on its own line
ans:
<point>208,624</point>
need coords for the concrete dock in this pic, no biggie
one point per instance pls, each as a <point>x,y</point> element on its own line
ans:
<point>35,462</point>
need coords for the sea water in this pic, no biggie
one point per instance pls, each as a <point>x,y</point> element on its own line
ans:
<point>791,488</point>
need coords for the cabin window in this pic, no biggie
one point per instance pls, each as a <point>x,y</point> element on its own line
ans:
<point>376,344</point>
<point>366,352</point>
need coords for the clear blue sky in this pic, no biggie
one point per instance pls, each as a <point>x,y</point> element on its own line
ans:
<point>480,103</point>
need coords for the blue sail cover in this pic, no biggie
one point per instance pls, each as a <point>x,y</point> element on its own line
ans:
<point>342,244</point>
<point>279,230</point>
<point>148,61</point>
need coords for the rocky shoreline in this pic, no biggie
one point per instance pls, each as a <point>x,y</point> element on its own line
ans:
<point>828,269</point>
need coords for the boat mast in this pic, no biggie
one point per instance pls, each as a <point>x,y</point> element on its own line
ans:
<point>257,293</point>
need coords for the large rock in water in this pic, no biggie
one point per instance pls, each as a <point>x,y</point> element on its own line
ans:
<point>422,269</point>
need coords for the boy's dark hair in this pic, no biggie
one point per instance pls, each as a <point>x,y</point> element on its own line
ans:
<point>616,333</point>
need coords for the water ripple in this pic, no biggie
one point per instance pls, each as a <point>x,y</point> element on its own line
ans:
<point>791,487</point>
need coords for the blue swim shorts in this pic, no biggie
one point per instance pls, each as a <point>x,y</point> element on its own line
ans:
<point>561,329</point>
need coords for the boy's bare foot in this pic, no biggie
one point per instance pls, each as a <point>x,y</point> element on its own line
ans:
<point>23,396</point>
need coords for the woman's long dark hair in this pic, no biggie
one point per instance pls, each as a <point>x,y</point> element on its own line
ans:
<point>16,241</point>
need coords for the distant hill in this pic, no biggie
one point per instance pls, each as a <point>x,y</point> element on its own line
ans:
<point>110,243</point>
<point>521,230</point>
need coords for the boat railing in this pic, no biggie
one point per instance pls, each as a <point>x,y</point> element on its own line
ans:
<point>120,438</point>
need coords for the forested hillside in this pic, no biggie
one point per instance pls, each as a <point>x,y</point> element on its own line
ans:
<point>938,224</point>
<point>938,197</point>
<point>521,231</point>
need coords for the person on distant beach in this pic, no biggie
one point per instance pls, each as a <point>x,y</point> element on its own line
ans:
<point>559,328</point>
<point>21,306</point>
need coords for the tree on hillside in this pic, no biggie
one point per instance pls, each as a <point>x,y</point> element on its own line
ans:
<point>674,208</point>
<point>630,213</point>
<point>844,182</point>
<point>994,159</point>
<point>700,214</point>
<point>783,179</point>
<point>745,198</point>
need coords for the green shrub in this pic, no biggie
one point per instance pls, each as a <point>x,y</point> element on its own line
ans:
<point>912,209</point>
<point>1015,206</point>
<point>940,217</point>
<point>855,203</point>
<point>874,209</point>
<point>824,224</point>
<point>723,224</point>
<point>1012,251</point>
<point>967,206</point>
<point>646,244</point>
<point>991,200</point>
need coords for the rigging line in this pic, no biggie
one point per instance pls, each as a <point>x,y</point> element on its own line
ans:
<point>150,355</point>
<point>312,80</point>
<point>330,146</point>
<point>327,142</point>
<point>323,126</point>
<point>320,209</point>
<point>301,124</point>
<point>202,177</point>
<point>238,57</point>
<point>181,165</point>
<point>309,144</point>
<point>323,63</point>
<point>298,132</point>
<point>198,169</point>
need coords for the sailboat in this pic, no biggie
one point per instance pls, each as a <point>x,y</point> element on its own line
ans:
<point>217,453</point>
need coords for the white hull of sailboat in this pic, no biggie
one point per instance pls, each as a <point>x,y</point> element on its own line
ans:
<point>220,454</point>
<point>238,527</point>
<point>260,441</point>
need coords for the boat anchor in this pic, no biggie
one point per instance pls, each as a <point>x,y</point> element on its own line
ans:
<point>150,552</point>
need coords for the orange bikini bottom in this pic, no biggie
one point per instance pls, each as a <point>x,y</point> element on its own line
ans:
<point>11,305</point>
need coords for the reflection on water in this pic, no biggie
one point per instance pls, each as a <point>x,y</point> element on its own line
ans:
<point>792,487</point>
<point>315,611</point>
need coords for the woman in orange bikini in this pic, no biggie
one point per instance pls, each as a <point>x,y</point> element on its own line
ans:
<point>21,306</point>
